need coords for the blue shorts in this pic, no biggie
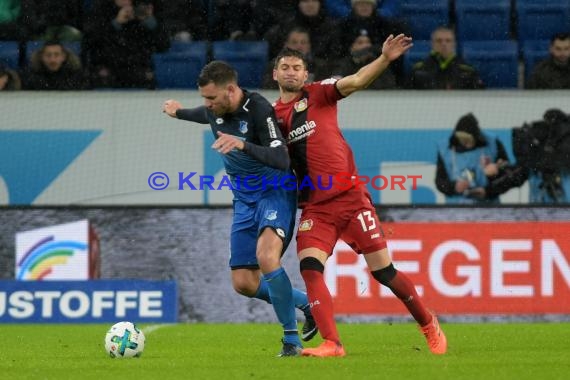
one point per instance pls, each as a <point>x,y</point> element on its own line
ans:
<point>276,209</point>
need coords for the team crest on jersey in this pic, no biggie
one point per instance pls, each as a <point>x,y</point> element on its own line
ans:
<point>301,105</point>
<point>219,120</point>
<point>271,215</point>
<point>306,225</point>
<point>243,126</point>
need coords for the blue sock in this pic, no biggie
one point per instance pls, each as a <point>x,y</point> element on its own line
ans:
<point>299,298</point>
<point>301,301</point>
<point>263,291</point>
<point>281,294</point>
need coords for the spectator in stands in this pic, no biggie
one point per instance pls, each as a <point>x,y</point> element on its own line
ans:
<point>468,162</point>
<point>299,39</point>
<point>267,13</point>
<point>232,20</point>
<point>310,15</point>
<point>9,79</point>
<point>10,28</point>
<point>362,51</point>
<point>184,20</point>
<point>51,20</point>
<point>341,8</point>
<point>443,69</point>
<point>121,37</point>
<point>554,72</point>
<point>54,67</point>
<point>364,17</point>
<point>247,19</point>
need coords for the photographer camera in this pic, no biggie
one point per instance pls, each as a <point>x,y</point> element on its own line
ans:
<point>473,166</point>
<point>544,148</point>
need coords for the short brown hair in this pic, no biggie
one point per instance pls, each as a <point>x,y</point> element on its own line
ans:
<point>217,72</point>
<point>287,52</point>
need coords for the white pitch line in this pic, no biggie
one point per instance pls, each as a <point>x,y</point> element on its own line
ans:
<point>148,329</point>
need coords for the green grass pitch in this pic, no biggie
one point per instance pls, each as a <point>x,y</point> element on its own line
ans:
<point>248,351</point>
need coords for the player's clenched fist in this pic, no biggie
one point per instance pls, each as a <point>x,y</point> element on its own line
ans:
<point>170,107</point>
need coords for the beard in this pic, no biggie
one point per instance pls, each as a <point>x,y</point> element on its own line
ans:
<point>290,87</point>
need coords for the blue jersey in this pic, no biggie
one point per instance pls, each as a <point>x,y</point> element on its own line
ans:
<point>254,122</point>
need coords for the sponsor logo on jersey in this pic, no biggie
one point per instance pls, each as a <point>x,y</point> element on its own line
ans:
<point>302,132</point>
<point>306,225</point>
<point>219,120</point>
<point>275,143</point>
<point>271,215</point>
<point>280,232</point>
<point>271,127</point>
<point>243,126</point>
<point>301,105</point>
<point>329,81</point>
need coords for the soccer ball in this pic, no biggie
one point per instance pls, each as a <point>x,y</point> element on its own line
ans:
<point>124,340</point>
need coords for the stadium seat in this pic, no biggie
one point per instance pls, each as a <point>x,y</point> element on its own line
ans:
<point>9,54</point>
<point>496,61</point>
<point>179,68</point>
<point>534,51</point>
<point>32,46</point>
<point>541,19</point>
<point>423,16</point>
<point>248,58</point>
<point>417,53</point>
<point>482,19</point>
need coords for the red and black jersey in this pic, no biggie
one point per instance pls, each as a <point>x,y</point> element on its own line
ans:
<point>317,147</point>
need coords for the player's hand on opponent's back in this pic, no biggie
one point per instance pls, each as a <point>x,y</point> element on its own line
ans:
<point>170,107</point>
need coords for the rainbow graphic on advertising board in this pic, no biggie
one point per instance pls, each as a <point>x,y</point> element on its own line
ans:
<point>39,260</point>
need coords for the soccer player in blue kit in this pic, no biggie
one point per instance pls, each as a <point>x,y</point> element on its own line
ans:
<point>252,146</point>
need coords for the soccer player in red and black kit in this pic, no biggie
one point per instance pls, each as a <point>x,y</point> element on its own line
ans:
<point>307,116</point>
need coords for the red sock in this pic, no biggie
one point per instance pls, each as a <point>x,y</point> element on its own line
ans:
<point>404,289</point>
<point>321,304</point>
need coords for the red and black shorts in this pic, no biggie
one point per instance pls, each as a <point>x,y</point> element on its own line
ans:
<point>349,216</point>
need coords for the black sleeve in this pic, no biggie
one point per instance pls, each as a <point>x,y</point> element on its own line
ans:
<point>501,152</point>
<point>197,115</point>
<point>272,149</point>
<point>277,157</point>
<point>442,181</point>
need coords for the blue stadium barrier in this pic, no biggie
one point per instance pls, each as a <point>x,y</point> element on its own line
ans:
<point>483,19</point>
<point>496,61</point>
<point>179,68</point>
<point>534,51</point>
<point>541,19</point>
<point>9,54</point>
<point>249,59</point>
<point>423,16</point>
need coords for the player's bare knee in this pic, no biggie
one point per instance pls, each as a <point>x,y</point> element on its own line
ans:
<point>268,259</point>
<point>245,285</point>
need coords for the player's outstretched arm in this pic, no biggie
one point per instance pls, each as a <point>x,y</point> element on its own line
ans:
<point>392,49</point>
<point>174,109</point>
<point>170,107</point>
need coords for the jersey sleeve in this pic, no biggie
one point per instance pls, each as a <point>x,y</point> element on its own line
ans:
<point>197,115</point>
<point>325,91</point>
<point>272,150</point>
<point>265,124</point>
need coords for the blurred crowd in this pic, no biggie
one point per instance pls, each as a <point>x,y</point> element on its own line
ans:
<point>90,44</point>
